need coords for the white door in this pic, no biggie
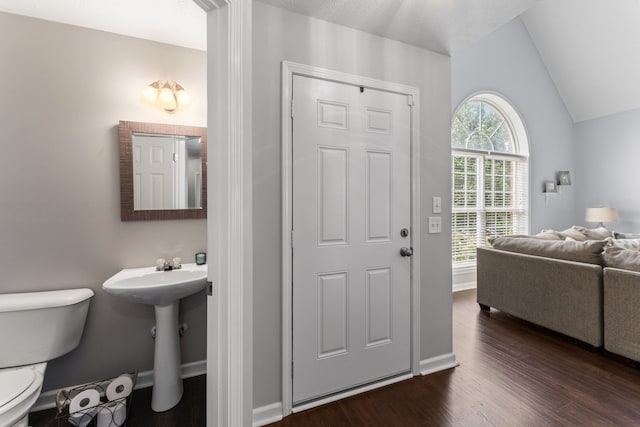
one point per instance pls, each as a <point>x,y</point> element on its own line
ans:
<point>351,201</point>
<point>153,172</point>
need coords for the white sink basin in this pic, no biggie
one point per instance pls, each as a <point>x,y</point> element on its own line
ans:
<point>162,289</point>
<point>148,286</point>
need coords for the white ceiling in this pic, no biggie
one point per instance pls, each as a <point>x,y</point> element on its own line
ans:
<point>590,47</point>
<point>177,22</point>
<point>592,51</point>
<point>439,25</point>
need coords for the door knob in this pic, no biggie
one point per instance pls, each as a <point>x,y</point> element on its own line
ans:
<point>406,251</point>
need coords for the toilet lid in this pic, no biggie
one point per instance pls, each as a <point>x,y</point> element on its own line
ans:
<point>13,382</point>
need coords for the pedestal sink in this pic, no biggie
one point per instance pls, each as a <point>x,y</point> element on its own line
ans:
<point>162,289</point>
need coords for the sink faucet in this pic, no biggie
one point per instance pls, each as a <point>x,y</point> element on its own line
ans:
<point>168,264</point>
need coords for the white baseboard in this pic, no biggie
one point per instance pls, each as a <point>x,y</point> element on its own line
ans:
<point>47,400</point>
<point>438,363</point>
<point>464,286</point>
<point>267,414</point>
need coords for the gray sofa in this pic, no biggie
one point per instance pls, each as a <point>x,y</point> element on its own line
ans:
<point>622,312</point>
<point>592,296</point>
<point>564,296</point>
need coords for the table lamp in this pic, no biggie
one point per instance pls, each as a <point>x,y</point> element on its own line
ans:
<point>601,215</point>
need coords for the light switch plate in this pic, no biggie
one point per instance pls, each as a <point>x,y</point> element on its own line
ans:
<point>437,204</point>
<point>435,224</point>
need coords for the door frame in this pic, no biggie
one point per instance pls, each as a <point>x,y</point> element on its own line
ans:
<point>229,213</point>
<point>289,69</point>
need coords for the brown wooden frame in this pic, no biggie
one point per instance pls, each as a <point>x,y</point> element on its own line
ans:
<point>125,132</point>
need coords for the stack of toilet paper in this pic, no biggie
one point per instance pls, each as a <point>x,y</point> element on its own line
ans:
<point>87,404</point>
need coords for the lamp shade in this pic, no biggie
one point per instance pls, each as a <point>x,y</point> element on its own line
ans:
<point>601,215</point>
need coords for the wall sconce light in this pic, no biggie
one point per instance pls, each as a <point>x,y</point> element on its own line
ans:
<point>170,96</point>
<point>601,215</point>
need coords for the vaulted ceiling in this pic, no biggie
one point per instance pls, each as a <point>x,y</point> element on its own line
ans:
<point>438,25</point>
<point>590,47</point>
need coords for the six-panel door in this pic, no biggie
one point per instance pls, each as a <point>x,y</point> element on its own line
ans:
<point>351,199</point>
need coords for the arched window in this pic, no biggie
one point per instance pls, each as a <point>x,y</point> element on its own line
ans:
<point>490,175</point>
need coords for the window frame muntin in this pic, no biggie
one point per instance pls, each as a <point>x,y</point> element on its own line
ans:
<point>486,98</point>
<point>522,153</point>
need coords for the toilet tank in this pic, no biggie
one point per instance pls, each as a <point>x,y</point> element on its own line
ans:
<point>39,326</point>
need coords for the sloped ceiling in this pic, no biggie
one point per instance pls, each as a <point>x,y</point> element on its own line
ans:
<point>592,51</point>
<point>438,25</point>
<point>590,47</point>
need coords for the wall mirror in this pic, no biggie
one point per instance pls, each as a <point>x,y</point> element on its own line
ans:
<point>163,171</point>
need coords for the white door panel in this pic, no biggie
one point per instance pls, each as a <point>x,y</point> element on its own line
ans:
<point>351,198</point>
<point>153,172</point>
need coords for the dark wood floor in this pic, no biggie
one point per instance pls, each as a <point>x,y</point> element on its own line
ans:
<point>511,374</point>
<point>190,412</point>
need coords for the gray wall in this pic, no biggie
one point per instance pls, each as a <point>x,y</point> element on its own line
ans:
<point>279,35</point>
<point>507,62</point>
<point>65,88</point>
<point>607,173</point>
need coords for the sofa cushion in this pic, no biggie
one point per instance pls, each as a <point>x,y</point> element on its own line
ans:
<point>598,233</point>
<point>619,235</point>
<point>548,235</point>
<point>626,243</point>
<point>581,234</point>
<point>543,235</point>
<point>617,257</point>
<point>587,251</point>
<point>574,234</point>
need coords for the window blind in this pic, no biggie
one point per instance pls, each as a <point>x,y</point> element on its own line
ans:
<point>490,198</point>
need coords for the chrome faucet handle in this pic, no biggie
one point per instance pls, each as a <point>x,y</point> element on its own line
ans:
<point>168,264</point>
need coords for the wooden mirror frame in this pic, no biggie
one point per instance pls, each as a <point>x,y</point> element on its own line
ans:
<point>125,131</point>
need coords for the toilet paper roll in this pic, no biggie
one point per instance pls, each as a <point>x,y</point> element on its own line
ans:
<point>112,414</point>
<point>84,400</point>
<point>82,418</point>
<point>120,387</point>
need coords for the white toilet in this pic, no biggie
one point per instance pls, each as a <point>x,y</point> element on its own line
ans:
<point>35,327</point>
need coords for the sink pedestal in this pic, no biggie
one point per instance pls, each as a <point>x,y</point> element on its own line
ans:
<point>163,290</point>
<point>167,382</point>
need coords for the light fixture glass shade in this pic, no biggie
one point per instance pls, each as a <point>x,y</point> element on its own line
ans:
<point>183,98</point>
<point>150,92</point>
<point>167,95</point>
<point>601,215</point>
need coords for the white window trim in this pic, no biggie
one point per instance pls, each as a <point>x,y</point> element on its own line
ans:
<point>464,278</point>
<point>522,151</point>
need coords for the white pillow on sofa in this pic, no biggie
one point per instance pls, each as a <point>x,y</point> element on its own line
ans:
<point>581,234</point>
<point>598,233</point>
<point>574,234</point>
<point>626,243</point>
<point>618,257</point>
<point>622,236</point>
